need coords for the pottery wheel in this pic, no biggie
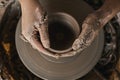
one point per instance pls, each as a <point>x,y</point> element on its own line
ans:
<point>71,70</point>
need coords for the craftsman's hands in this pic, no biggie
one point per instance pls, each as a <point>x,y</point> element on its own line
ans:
<point>34,26</point>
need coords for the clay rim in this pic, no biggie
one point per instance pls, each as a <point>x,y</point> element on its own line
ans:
<point>68,20</point>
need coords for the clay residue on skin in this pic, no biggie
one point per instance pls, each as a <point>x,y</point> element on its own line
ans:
<point>94,22</point>
<point>84,40</point>
<point>42,26</point>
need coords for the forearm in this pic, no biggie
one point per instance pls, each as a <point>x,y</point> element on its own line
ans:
<point>29,8</point>
<point>109,9</point>
<point>29,2</point>
<point>30,5</point>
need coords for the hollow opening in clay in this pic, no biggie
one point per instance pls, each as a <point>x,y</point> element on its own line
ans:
<point>63,30</point>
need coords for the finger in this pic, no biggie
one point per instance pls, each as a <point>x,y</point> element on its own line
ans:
<point>42,27</point>
<point>86,37</point>
<point>44,37</point>
<point>36,44</point>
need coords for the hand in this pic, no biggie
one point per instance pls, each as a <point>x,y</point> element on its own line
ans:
<point>90,28</point>
<point>94,22</point>
<point>34,24</point>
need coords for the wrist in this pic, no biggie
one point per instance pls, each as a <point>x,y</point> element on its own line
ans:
<point>29,4</point>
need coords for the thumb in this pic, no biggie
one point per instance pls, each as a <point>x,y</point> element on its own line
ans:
<point>85,39</point>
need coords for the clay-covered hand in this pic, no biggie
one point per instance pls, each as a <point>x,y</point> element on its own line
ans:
<point>35,27</point>
<point>90,28</point>
<point>94,22</point>
<point>34,24</point>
